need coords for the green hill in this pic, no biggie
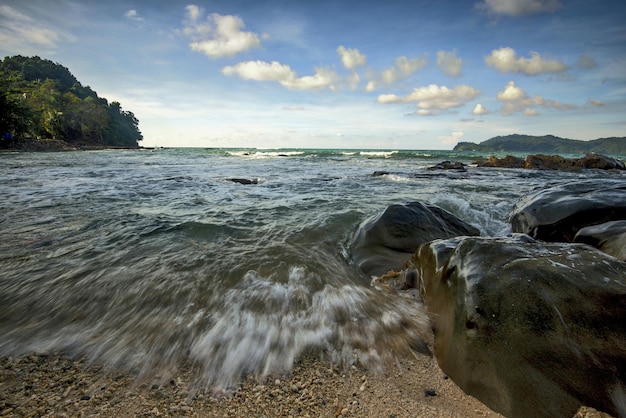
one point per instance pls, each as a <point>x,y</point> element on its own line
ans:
<point>548,144</point>
<point>42,102</point>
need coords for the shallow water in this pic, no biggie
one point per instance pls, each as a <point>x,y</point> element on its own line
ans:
<point>146,260</point>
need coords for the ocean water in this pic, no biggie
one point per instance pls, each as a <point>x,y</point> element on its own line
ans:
<point>154,259</point>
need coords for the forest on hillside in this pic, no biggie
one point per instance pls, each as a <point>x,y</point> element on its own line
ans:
<point>41,100</point>
<point>546,144</point>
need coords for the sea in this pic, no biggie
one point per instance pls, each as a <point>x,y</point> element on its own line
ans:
<point>231,262</point>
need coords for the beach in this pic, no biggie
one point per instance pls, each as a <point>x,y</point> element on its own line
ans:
<point>39,385</point>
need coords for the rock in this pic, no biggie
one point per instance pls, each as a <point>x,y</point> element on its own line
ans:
<point>558,213</point>
<point>554,162</point>
<point>244,181</point>
<point>548,162</point>
<point>593,160</point>
<point>447,165</point>
<point>507,162</point>
<point>529,329</point>
<point>380,173</point>
<point>384,242</point>
<point>609,237</point>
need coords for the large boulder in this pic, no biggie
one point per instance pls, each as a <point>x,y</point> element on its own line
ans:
<point>386,241</point>
<point>548,162</point>
<point>507,162</point>
<point>609,237</point>
<point>558,213</point>
<point>529,329</point>
<point>599,161</point>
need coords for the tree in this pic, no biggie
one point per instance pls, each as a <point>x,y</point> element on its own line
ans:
<point>42,99</point>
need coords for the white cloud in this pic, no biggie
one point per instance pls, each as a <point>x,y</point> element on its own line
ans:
<point>403,68</point>
<point>282,74</point>
<point>218,36</point>
<point>594,102</point>
<point>479,109</point>
<point>133,15</point>
<point>516,100</point>
<point>517,8</point>
<point>451,139</point>
<point>506,60</point>
<point>433,98</point>
<point>351,58</point>
<point>449,63</point>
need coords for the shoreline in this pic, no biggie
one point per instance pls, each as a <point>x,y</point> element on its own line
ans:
<point>53,385</point>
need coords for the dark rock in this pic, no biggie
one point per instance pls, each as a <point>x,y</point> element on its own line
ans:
<point>507,162</point>
<point>529,329</point>
<point>558,213</point>
<point>593,160</point>
<point>609,237</point>
<point>447,165</point>
<point>385,241</point>
<point>244,181</point>
<point>430,392</point>
<point>549,162</point>
<point>380,173</point>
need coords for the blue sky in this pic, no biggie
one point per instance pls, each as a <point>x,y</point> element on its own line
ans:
<point>341,74</point>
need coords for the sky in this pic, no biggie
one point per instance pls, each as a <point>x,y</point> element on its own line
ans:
<point>339,74</point>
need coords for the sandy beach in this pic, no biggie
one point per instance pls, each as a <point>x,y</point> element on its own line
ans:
<point>39,385</point>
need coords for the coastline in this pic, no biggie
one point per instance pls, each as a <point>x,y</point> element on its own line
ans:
<point>52,385</point>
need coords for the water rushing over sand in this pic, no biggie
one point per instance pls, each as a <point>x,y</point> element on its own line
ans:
<point>146,260</point>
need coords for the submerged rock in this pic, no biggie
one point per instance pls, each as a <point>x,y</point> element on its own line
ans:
<point>609,237</point>
<point>529,329</point>
<point>448,165</point>
<point>558,213</point>
<point>384,242</point>
<point>244,180</point>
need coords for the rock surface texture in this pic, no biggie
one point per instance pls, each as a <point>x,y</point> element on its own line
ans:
<point>529,329</point>
<point>558,213</point>
<point>386,241</point>
<point>609,237</point>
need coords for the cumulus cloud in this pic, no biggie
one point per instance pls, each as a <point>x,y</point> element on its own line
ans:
<point>480,110</point>
<point>506,60</point>
<point>351,58</point>
<point>403,68</point>
<point>323,78</point>
<point>594,102</point>
<point>514,99</point>
<point>133,16</point>
<point>218,36</point>
<point>517,8</point>
<point>449,63</point>
<point>433,98</point>
<point>451,139</point>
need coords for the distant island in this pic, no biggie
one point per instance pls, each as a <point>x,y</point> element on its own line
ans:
<point>44,107</point>
<point>546,144</point>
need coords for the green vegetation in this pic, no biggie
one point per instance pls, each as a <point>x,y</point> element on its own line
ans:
<point>41,101</point>
<point>546,144</point>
